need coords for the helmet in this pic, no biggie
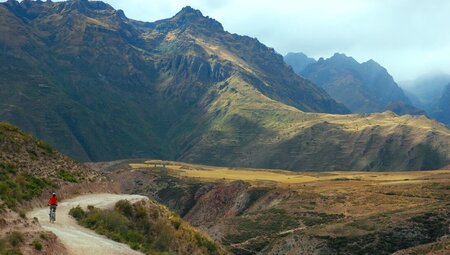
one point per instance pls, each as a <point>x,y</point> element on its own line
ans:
<point>54,194</point>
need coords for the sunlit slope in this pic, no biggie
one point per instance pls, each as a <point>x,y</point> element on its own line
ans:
<point>281,177</point>
<point>247,129</point>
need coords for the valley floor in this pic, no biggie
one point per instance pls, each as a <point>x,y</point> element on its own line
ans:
<point>261,211</point>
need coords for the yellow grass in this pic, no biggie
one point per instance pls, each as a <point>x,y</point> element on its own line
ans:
<point>211,173</point>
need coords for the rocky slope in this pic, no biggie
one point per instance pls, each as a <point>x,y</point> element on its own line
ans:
<point>100,86</point>
<point>305,213</point>
<point>363,87</point>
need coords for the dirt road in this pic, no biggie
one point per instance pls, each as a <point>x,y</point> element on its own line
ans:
<point>79,240</point>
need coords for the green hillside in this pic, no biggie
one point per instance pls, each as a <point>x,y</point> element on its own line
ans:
<point>99,86</point>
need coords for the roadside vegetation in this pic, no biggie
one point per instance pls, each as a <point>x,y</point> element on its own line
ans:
<point>147,227</point>
<point>17,187</point>
<point>10,245</point>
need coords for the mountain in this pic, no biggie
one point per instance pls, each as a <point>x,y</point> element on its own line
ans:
<point>401,108</point>
<point>100,86</point>
<point>298,61</point>
<point>431,92</point>
<point>363,87</point>
<point>428,89</point>
<point>443,109</point>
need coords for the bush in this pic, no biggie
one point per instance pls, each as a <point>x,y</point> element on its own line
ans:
<point>44,146</point>
<point>68,176</point>
<point>13,252</point>
<point>2,246</point>
<point>16,188</point>
<point>37,245</point>
<point>149,229</point>
<point>8,167</point>
<point>125,208</point>
<point>204,242</point>
<point>43,236</point>
<point>77,213</point>
<point>15,238</point>
<point>22,215</point>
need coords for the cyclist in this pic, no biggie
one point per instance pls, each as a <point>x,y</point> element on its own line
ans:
<point>53,203</point>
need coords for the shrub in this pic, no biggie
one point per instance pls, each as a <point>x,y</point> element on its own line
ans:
<point>16,188</point>
<point>204,242</point>
<point>37,245</point>
<point>13,252</point>
<point>44,146</point>
<point>8,167</point>
<point>2,246</point>
<point>43,236</point>
<point>22,215</point>
<point>68,176</point>
<point>77,213</point>
<point>125,208</point>
<point>15,238</point>
<point>149,229</point>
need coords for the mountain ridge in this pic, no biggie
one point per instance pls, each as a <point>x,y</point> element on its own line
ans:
<point>103,87</point>
<point>365,87</point>
<point>369,80</point>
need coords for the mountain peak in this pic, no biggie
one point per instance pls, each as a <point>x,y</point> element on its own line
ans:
<point>372,62</point>
<point>341,58</point>
<point>189,16</point>
<point>298,61</point>
<point>189,11</point>
<point>87,6</point>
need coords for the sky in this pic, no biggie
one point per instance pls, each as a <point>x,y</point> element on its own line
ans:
<point>408,37</point>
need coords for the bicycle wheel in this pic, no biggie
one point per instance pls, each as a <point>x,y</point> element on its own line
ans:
<point>52,216</point>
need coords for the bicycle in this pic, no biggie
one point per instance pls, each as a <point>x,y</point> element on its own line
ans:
<point>52,214</point>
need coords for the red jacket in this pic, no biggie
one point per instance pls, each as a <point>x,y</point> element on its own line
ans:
<point>53,201</point>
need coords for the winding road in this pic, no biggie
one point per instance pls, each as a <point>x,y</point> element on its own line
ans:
<point>79,240</point>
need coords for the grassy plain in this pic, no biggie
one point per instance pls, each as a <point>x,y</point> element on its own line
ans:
<point>212,173</point>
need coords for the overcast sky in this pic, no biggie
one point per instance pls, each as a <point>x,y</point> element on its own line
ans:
<point>408,37</point>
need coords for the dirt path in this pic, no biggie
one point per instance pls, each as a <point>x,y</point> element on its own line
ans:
<point>79,240</point>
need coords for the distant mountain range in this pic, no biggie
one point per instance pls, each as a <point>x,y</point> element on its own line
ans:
<point>100,86</point>
<point>298,61</point>
<point>427,89</point>
<point>429,93</point>
<point>442,112</point>
<point>363,87</point>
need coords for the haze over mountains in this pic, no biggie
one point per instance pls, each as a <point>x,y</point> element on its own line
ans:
<point>368,87</point>
<point>100,86</point>
<point>429,93</point>
<point>363,87</point>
